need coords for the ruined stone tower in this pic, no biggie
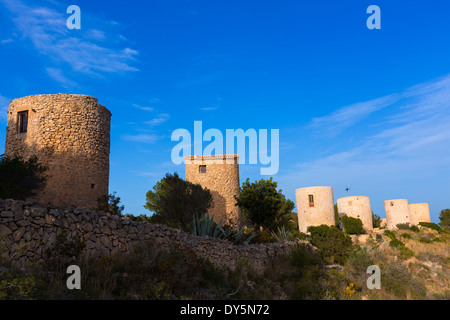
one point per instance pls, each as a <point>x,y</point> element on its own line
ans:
<point>219,174</point>
<point>356,207</point>
<point>315,206</point>
<point>397,212</point>
<point>419,212</point>
<point>70,135</point>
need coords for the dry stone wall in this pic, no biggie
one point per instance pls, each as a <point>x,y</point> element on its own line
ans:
<point>27,229</point>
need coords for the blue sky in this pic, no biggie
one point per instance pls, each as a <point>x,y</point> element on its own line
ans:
<point>367,109</point>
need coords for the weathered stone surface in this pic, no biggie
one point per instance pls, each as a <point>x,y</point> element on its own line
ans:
<point>4,230</point>
<point>105,234</point>
<point>70,134</point>
<point>220,174</point>
<point>6,214</point>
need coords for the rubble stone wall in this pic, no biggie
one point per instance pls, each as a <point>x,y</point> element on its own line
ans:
<point>27,229</point>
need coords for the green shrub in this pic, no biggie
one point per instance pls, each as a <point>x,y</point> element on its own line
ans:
<point>397,280</point>
<point>18,285</point>
<point>405,236</point>
<point>376,221</point>
<point>396,243</point>
<point>414,229</point>
<point>430,225</point>
<point>63,252</point>
<point>424,240</point>
<point>405,252</point>
<point>438,239</point>
<point>302,258</point>
<point>352,225</point>
<point>403,226</point>
<point>444,217</point>
<point>332,243</point>
<point>175,201</point>
<point>110,203</point>
<point>263,236</point>
<point>390,234</point>
<point>264,205</point>
<point>379,237</point>
<point>309,274</point>
<point>360,259</point>
<point>20,179</point>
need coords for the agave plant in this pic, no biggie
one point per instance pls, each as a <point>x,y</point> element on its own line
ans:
<point>282,234</point>
<point>204,226</point>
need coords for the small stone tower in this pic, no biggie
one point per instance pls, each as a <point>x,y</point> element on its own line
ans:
<point>219,174</point>
<point>70,135</point>
<point>419,212</point>
<point>397,212</point>
<point>315,206</point>
<point>356,207</point>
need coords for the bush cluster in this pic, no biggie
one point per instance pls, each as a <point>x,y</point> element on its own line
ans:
<point>352,225</point>
<point>332,243</point>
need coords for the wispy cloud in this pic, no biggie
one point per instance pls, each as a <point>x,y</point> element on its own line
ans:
<point>163,117</point>
<point>142,107</point>
<point>57,75</point>
<point>217,106</point>
<point>410,143</point>
<point>143,138</point>
<point>5,41</point>
<point>348,116</point>
<point>83,50</point>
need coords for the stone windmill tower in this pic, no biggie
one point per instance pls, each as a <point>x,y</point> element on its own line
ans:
<point>219,174</point>
<point>70,134</point>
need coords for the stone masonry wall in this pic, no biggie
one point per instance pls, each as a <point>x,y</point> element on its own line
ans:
<point>70,134</point>
<point>320,212</point>
<point>222,179</point>
<point>356,207</point>
<point>397,212</point>
<point>26,224</point>
<point>419,212</point>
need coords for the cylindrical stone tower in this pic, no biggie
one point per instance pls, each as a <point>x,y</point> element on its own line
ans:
<point>356,207</point>
<point>70,134</point>
<point>397,212</point>
<point>315,206</point>
<point>419,212</point>
<point>219,174</point>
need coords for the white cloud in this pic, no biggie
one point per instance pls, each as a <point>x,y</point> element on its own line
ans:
<point>210,108</point>
<point>46,29</point>
<point>346,117</point>
<point>142,108</point>
<point>143,138</point>
<point>406,153</point>
<point>57,75</point>
<point>161,119</point>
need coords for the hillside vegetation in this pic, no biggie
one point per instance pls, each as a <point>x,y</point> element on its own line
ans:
<point>415,264</point>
